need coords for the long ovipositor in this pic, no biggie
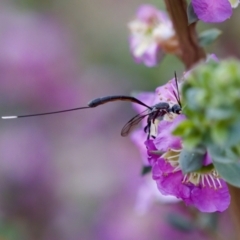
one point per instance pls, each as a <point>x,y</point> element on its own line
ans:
<point>152,113</point>
<point>94,103</point>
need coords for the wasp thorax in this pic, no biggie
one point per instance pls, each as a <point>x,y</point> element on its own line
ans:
<point>161,106</point>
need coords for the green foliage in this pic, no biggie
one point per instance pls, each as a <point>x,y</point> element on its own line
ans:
<point>230,172</point>
<point>224,155</point>
<point>209,36</point>
<point>191,161</point>
<point>211,96</point>
<point>192,17</point>
<point>180,222</point>
<point>145,170</point>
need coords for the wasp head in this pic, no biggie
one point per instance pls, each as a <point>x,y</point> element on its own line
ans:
<point>176,109</point>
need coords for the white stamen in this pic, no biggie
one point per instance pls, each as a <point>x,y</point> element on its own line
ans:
<point>214,184</point>
<point>198,177</point>
<point>219,182</point>
<point>203,183</point>
<point>163,32</point>
<point>184,178</point>
<point>176,150</point>
<point>176,169</point>
<point>173,156</point>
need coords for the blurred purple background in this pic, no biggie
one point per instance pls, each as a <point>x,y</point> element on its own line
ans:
<point>72,176</point>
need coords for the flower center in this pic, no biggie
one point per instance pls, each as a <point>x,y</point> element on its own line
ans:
<point>207,176</point>
<point>172,157</point>
<point>210,179</point>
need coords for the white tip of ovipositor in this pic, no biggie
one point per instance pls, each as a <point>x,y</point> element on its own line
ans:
<point>9,117</point>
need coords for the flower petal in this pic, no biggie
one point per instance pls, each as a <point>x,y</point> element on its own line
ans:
<point>152,158</point>
<point>145,51</point>
<point>165,140</point>
<point>212,57</point>
<point>169,182</point>
<point>139,137</point>
<point>165,93</point>
<point>147,13</point>
<point>152,55</point>
<point>148,30</point>
<point>212,10</point>
<point>208,199</point>
<point>146,97</point>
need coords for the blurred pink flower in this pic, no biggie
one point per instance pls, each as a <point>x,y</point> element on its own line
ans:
<point>119,220</point>
<point>27,179</point>
<point>151,35</point>
<point>149,194</point>
<point>36,61</point>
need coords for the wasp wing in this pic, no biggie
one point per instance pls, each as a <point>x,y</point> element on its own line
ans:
<point>133,122</point>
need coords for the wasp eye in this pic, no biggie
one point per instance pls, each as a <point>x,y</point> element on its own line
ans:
<point>179,111</point>
<point>176,109</point>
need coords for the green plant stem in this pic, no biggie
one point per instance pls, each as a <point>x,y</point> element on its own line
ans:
<point>190,52</point>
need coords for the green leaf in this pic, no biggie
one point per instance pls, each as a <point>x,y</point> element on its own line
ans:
<point>209,36</point>
<point>219,114</point>
<point>233,135</point>
<point>219,133</point>
<point>208,220</point>
<point>180,222</point>
<point>230,172</point>
<point>191,15</point>
<point>191,98</point>
<point>145,170</point>
<point>182,127</point>
<point>222,155</point>
<point>192,141</point>
<point>191,161</point>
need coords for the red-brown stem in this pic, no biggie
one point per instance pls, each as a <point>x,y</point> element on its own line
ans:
<point>235,208</point>
<point>190,51</point>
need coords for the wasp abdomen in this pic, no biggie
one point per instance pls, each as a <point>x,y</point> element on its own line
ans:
<point>99,101</point>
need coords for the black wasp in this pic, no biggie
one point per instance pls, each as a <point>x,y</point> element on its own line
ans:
<point>152,113</point>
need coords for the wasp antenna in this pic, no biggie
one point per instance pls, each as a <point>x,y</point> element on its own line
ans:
<point>178,93</point>
<point>175,74</point>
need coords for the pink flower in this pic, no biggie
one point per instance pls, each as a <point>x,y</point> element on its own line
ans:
<point>203,189</point>
<point>151,35</point>
<point>214,10</point>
